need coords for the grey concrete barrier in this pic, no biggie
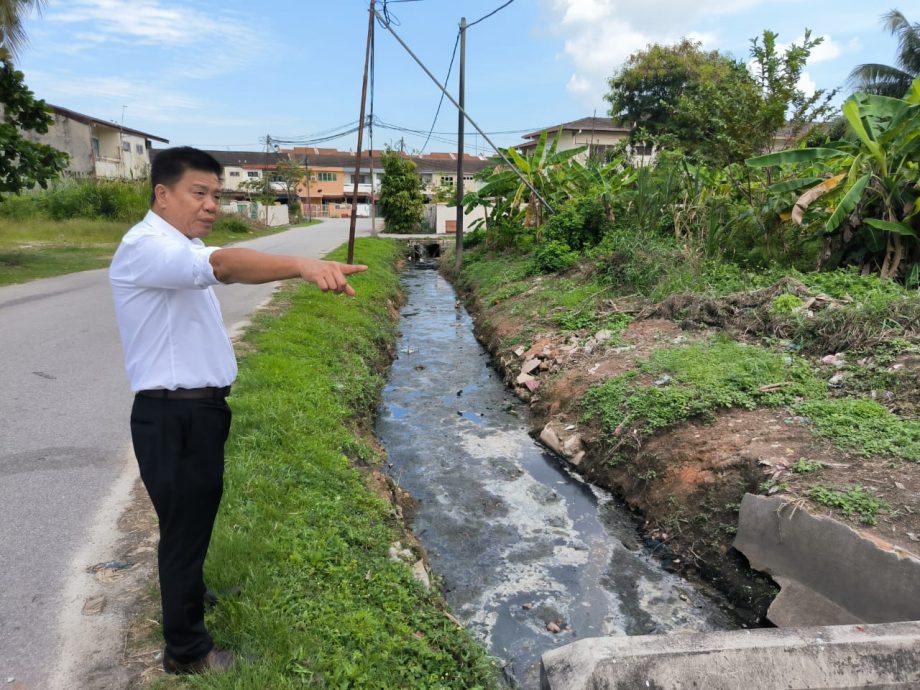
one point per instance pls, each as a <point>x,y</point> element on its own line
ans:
<point>832,657</point>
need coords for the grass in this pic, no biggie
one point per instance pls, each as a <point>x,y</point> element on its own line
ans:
<point>850,501</point>
<point>679,383</point>
<point>322,605</point>
<point>33,248</point>
<point>864,426</point>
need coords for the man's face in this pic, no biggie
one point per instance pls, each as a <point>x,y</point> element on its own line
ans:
<point>191,204</point>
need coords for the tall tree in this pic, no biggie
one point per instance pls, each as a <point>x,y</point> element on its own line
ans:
<point>400,196</point>
<point>714,108</point>
<point>24,163</point>
<point>12,33</point>
<point>887,80</point>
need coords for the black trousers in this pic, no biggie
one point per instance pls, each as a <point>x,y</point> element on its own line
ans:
<point>179,446</point>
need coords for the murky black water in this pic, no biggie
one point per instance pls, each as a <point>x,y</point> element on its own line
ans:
<point>519,541</point>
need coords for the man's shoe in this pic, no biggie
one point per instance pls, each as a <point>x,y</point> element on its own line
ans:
<point>212,597</point>
<point>217,660</point>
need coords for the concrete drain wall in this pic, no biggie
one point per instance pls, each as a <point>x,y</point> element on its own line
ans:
<point>830,574</point>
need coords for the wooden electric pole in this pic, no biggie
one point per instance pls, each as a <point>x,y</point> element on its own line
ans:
<point>458,232</point>
<point>361,123</point>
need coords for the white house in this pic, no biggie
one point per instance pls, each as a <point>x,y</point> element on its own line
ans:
<point>98,148</point>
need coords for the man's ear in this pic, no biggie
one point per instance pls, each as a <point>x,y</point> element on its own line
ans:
<point>159,194</point>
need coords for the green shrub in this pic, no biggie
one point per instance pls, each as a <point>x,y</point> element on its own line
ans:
<point>785,304</point>
<point>553,257</point>
<point>231,223</point>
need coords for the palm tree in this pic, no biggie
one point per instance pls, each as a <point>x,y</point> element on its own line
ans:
<point>12,34</point>
<point>885,80</point>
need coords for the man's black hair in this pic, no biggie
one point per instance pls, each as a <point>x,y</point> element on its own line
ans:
<point>170,165</point>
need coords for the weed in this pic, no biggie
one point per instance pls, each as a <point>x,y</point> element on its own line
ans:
<point>702,378</point>
<point>786,304</point>
<point>805,466</point>
<point>851,501</point>
<point>865,426</point>
<point>773,486</point>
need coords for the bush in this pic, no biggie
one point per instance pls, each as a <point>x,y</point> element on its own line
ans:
<point>580,223</point>
<point>230,223</point>
<point>554,256</point>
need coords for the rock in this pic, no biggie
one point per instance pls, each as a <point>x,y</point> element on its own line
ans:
<point>837,360</point>
<point>529,365</point>
<point>577,458</point>
<point>553,627</point>
<point>522,379</point>
<point>572,445</point>
<point>664,380</point>
<point>532,385</point>
<point>527,606</point>
<point>94,605</point>
<point>603,336</point>
<point>538,349</point>
<point>550,437</point>
<point>421,574</point>
<point>835,381</point>
<point>519,351</point>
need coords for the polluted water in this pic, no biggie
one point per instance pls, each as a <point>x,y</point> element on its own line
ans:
<point>530,556</point>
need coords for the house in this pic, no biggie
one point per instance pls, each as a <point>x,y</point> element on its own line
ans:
<point>328,190</point>
<point>98,148</point>
<point>598,134</point>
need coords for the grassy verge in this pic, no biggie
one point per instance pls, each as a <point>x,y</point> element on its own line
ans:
<point>322,604</point>
<point>34,248</point>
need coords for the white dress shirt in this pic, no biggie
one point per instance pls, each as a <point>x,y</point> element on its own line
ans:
<point>168,316</point>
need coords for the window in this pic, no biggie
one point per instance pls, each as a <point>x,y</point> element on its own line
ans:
<point>467,178</point>
<point>96,152</point>
<point>234,173</point>
<point>327,177</point>
<point>139,148</point>
<point>126,146</point>
<point>447,180</point>
<point>252,173</point>
<point>642,149</point>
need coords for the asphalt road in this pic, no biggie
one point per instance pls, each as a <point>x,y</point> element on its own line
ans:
<point>64,436</point>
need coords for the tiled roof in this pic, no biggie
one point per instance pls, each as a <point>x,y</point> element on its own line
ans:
<point>585,124</point>
<point>440,163</point>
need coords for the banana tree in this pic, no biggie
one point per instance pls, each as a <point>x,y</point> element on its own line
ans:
<point>867,184</point>
<point>545,170</point>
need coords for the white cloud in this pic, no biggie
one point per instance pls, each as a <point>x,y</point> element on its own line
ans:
<point>208,43</point>
<point>600,34</point>
<point>807,84</point>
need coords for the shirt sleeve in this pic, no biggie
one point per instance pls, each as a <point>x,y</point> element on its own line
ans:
<point>163,262</point>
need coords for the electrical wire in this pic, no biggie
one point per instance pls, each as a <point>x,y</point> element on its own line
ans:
<point>441,100</point>
<point>497,9</point>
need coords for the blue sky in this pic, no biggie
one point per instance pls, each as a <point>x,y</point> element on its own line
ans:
<point>223,75</point>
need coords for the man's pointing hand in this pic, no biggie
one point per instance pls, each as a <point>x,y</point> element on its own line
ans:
<point>330,275</point>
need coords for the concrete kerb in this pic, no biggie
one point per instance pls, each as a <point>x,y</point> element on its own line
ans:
<point>847,656</point>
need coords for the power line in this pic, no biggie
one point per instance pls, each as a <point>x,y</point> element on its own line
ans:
<point>497,9</point>
<point>441,100</point>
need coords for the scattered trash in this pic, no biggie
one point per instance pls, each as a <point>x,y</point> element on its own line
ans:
<point>94,605</point>
<point>553,627</point>
<point>527,606</point>
<point>835,381</point>
<point>664,380</point>
<point>837,360</point>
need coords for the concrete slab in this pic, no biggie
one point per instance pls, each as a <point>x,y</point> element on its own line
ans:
<point>830,573</point>
<point>825,658</point>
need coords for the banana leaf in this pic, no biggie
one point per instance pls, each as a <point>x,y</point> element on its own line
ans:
<point>847,204</point>
<point>793,157</point>
<point>792,185</point>
<point>804,201</point>
<point>889,226</point>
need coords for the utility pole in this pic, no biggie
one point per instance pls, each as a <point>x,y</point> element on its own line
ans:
<point>357,175</point>
<point>458,232</point>
<point>306,169</point>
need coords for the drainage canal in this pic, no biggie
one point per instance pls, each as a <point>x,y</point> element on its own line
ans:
<point>531,557</point>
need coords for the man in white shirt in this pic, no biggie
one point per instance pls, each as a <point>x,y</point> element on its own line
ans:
<point>180,364</point>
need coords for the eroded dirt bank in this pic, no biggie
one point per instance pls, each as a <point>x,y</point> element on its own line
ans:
<point>685,482</point>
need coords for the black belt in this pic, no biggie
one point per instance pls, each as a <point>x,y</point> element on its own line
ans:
<point>187,393</point>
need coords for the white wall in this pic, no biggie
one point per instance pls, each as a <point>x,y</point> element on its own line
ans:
<point>439,214</point>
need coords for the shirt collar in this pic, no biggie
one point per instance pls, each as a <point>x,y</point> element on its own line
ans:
<point>159,223</point>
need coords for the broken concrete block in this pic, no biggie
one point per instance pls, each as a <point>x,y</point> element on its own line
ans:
<point>530,365</point>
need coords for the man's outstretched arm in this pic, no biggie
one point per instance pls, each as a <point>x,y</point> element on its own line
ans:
<point>237,265</point>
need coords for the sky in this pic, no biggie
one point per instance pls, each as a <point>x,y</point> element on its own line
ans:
<point>228,74</point>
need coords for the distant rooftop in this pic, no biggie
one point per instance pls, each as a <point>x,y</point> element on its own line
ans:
<point>90,120</point>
